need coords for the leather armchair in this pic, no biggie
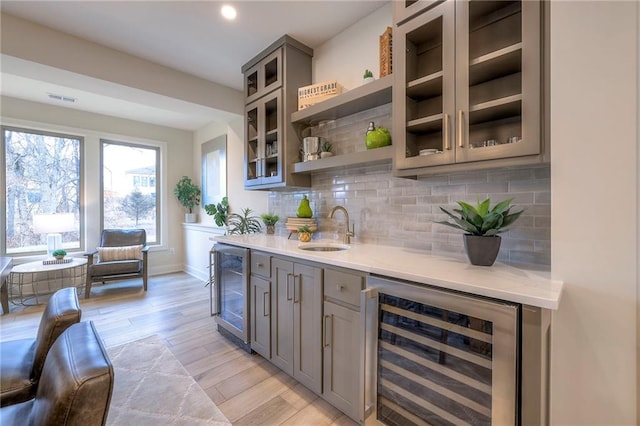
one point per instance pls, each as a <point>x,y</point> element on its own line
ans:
<point>76,384</point>
<point>21,361</point>
<point>111,270</point>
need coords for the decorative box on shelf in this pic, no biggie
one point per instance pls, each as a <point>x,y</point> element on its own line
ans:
<point>315,93</point>
<point>386,53</point>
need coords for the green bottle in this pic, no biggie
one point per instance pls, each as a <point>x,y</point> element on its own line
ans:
<point>304,209</point>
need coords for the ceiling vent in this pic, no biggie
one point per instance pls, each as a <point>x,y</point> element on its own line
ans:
<point>61,98</point>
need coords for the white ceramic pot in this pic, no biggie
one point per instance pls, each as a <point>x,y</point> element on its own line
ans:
<point>190,217</point>
<point>326,154</point>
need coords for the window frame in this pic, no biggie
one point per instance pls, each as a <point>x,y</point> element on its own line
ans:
<point>158,148</point>
<point>3,189</point>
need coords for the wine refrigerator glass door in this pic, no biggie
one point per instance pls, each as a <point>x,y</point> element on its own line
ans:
<point>231,278</point>
<point>438,357</point>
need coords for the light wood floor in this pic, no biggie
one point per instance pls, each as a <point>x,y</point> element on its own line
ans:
<point>248,389</point>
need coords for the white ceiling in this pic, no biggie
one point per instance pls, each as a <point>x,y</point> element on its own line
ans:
<point>190,36</point>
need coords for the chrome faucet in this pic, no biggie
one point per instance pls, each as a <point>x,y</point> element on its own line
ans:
<point>347,232</point>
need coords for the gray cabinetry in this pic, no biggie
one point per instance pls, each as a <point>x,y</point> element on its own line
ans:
<point>467,88</point>
<point>271,82</point>
<point>341,331</point>
<point>296,321</point>
<point>260,305</point>
<point>404,10</point>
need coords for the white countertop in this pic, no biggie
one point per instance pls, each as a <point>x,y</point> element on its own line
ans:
<point>499,281</point>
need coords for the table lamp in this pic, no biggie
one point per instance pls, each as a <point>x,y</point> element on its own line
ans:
<point>53,225</point>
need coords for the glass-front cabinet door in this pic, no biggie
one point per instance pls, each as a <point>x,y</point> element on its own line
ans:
<point>263,77</point>
<point>263,146</point>
<point>498,79</point>
<point>423,105</point>
<point>467,84</point>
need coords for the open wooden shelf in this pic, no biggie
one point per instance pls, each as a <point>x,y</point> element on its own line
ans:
<point>367,96</point>
<point>370,156</point>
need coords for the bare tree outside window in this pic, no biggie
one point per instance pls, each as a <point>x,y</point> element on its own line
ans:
<point>42,174</point>
<point>129,176</point>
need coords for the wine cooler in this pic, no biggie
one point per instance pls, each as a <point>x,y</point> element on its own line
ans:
<point>230,292</point>
<point>437,357</point>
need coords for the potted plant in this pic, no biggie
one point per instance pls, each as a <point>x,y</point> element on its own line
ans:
<point>481,225</point>
<point>367,76</point>
<point>219,211</point>
<point>325,150</point>
<point>59,254</point>
<point>270,221</point>
<point>304,234</point>
<point>188,194</point>
<point>240,224</point>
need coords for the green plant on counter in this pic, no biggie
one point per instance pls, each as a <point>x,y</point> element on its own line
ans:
<point>244,223</point>
<point>219,211</point>
<point>59,254</point>
<point>270,219</point>
<point>187,193</point>
<point>367,74</point>
<point>481,219</point>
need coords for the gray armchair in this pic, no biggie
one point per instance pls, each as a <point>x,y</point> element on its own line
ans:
<point>122,254</point>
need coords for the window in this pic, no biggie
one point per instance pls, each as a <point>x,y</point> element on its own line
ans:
<point>129,192</point>
<point>43,190</point>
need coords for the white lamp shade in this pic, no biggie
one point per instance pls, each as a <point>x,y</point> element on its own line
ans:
<point>53,223</point>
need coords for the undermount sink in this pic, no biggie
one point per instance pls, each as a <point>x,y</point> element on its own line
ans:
<point>324,246</point>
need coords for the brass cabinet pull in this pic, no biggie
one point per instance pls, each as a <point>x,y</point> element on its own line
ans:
<point>265,303</point>
<point>288,298</point>
<point>326,343</point>
<point>447,146</point>
<point>460,127</point>
<point>294,288</point>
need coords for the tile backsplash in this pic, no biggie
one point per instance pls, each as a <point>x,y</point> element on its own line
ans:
<point>402,212</point>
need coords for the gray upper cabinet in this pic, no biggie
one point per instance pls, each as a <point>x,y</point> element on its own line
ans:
<point>263,77</point>
<point>404,10</point>
<point>467,87</point>
<point>272,146</point>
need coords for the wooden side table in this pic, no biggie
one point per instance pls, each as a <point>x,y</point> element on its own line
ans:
<point>5,268</point>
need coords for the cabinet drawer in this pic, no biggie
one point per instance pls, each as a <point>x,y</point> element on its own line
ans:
<point>343,286</point>
<point>261,264</point>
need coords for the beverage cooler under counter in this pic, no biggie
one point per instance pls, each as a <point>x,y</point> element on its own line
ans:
<point>229,292</point>
<point>438,357</point>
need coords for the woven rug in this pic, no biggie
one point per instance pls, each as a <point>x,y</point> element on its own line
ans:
<point>153,388</point>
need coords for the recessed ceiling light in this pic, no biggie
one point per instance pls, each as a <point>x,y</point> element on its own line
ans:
<point>229,12</point>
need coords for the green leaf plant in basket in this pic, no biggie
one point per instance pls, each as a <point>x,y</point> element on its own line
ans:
<point>481,225</point>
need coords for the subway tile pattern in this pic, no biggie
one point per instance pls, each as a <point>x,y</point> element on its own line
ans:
<point>402,212</point>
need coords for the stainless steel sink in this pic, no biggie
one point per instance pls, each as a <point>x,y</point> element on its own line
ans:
<point>324,247</point>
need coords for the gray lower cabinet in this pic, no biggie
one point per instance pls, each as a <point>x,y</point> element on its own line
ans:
<point>260,316</point>
<point>340,353</point>
<point>296,321</point>
<point>341,331</point>
<point>260,303</point>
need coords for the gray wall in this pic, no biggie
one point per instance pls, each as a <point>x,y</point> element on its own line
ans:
<point>400,212</point>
